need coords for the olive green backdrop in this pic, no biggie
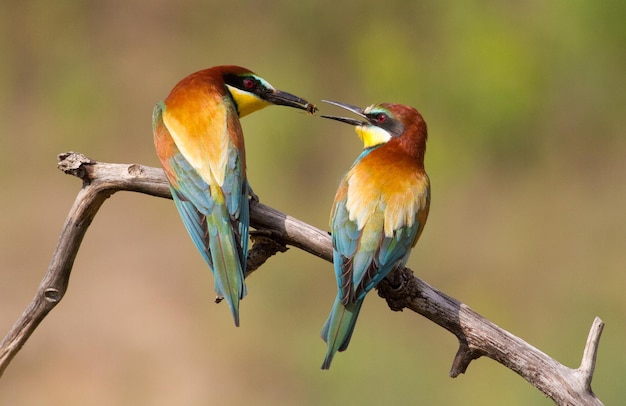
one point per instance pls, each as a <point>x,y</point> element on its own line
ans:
<point>525,103</point>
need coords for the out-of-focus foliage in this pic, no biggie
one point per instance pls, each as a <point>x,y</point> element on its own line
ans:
<point>525,103</point>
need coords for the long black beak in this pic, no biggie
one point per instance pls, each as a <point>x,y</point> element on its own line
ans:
<point>356,110</point>
<point>281,98</point>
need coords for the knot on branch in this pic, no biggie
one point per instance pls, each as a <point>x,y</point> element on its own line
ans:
<point>74,163</point>
<point>53,295</point>
<point>264,245</point>
<point>136,171</point>
<point>399,288</point>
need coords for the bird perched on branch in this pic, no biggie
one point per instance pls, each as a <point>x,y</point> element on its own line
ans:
<point>199,141</point>
<point>379,210</point>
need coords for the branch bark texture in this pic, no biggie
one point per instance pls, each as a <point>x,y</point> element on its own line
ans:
<point>274,232</point>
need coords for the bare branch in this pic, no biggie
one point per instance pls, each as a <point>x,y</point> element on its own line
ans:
<point>588,364</point>
<point>274,231</point>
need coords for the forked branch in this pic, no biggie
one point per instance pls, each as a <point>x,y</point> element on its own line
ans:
<point>274,231</point>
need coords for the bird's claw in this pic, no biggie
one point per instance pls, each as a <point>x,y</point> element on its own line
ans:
<point>253,196</point>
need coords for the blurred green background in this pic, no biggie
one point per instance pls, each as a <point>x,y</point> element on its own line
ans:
<point>525,103</point>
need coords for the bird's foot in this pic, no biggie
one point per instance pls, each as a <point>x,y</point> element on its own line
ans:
<point>253,196</point>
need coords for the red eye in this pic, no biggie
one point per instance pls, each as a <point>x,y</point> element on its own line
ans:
<point>248,83</point>
<point>381,118</point>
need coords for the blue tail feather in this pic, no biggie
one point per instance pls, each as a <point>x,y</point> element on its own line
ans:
<point>227,267</point>
<point>214,237</point>
<point>338,329</point>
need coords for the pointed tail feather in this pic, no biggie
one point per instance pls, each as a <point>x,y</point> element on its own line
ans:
<point>227,267</point>
<point>339,327</point>
<point>214,237</point>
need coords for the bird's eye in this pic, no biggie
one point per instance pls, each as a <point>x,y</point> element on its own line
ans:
<point>381,117</point>
<point>248,83</point>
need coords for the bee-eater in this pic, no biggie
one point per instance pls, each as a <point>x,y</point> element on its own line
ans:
<point>199,141</point>
<point>379,210</point>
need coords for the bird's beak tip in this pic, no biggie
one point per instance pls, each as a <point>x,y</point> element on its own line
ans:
<point>311,108</point>
<point>282,98</point>
<point>354,109</point>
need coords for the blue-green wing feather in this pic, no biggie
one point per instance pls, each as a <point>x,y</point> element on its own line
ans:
<point>393,251</point>
<point>195,223</point>
<point>236,191</point>
<point>345,237</point>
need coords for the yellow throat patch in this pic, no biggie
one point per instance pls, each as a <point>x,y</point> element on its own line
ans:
<point>372,135</point>
<point>247,102</point>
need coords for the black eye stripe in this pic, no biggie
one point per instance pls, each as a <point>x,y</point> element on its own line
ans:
<point>386,122</point>
<point>246,83</point>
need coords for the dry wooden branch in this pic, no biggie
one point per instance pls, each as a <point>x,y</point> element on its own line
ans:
<point>477,336</point>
